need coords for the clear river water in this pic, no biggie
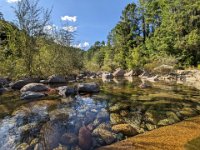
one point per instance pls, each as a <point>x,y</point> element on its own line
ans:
<point>120,110</point>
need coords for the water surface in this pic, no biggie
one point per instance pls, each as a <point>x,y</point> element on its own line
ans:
<point>88,121</point>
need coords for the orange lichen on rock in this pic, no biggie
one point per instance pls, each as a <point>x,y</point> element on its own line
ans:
<point>173,137</point>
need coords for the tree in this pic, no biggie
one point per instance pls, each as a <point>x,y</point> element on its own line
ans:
<point>31,19</point>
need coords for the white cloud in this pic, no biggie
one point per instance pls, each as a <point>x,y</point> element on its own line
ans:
<point>50,28</point>
<point>84,45</point>
<point>77,45</point>
<point>69,18</point>
<point>13,1</point>
<point>70,28</point>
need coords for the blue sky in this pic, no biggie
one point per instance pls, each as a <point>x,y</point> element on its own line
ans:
<point>92,19</point>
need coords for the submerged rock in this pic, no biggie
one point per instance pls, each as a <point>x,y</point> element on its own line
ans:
<point>116,119</point>
<point>23,146</point>
<point>31,95</point>
<point>3,111</point>
<point>88,88</point>
<point>126,129</point>
<point>119,106</point>
<point>103,116</point>
<point>167,121</point>
<point>104,134</point>
<point>62,113</point>
<point>51,133</point>
<point>69,139</point>
<point>60,147</point>
<point>85,138</point>
<point>34,87</point>
<point>150,126</point>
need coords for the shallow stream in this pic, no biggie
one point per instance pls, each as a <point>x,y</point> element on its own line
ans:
<point>121,109</point>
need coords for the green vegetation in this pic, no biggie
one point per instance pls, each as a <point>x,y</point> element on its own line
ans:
<point>150,34</point>
<point>26,50</point>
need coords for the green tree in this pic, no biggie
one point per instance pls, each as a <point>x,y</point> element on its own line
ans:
<point>31,19</point>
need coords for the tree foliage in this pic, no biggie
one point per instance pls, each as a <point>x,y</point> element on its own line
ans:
<point>163,28</point>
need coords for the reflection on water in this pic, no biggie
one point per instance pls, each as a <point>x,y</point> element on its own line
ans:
<point>120,110</point>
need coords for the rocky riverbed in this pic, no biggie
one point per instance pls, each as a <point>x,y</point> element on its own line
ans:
<point>89,116</point>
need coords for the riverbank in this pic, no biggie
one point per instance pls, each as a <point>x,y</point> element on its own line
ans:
<point>173,137</point>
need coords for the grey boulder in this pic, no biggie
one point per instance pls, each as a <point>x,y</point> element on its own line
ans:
<point>88,87</point>
<point>31,95</point>
<point>34,87</point>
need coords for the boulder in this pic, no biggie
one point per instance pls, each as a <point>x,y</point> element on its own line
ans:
<point>34,87</point>
<point>119,73</point>
<point>56,79</point>
<point>126,129</point>
<point>88,88</point>
<point>31,95</point>
<point>107,76</point>
<point>135,72</point>
<point>4,81</point>
<point>66,91</point>
<point>19,84</point>
<point>85,138</point>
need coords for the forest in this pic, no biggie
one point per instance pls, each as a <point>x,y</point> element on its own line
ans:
<point>148,34</point>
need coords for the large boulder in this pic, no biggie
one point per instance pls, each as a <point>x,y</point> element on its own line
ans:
<point>119,73</point>
<point>34,87</point>
<point>31,95</point>
<point>88,88</point>
<point>56,79</point>
<point>66,91</point>
<point>19,84</point>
